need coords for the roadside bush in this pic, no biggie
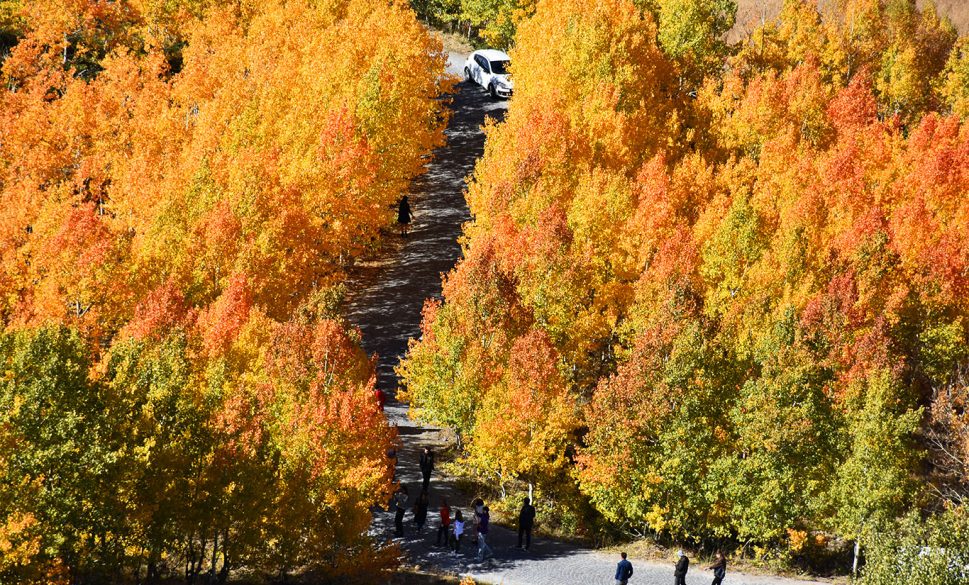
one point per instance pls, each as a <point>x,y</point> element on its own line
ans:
<point>914,551</point>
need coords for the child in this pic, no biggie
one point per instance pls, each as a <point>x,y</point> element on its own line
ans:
<point>458,530</point>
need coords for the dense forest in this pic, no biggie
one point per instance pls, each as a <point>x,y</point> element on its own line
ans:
<point>719,294</point>
<point>182,185</point>
<point>713,292</point>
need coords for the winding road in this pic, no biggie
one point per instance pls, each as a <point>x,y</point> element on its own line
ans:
<point>385,300</point>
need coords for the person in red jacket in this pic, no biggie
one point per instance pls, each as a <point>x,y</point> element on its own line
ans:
<point>443,533</point>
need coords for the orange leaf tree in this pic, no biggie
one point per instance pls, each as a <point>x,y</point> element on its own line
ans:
<point>183,185</point>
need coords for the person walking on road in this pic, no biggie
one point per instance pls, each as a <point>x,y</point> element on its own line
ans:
<point>420,511</point>
<point>682,566</point>
<point>443,533</point>
<point>526,519</point>
<point>404,215</point>
<point>427,466</point>
<point>400,500</point>
<point>484,550</point>
<point>719,568</point>
<point>477,509</point>
<point>624,570</point>
<point>458,530</point>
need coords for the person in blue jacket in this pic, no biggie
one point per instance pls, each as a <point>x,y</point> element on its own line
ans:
<point>624,570</point>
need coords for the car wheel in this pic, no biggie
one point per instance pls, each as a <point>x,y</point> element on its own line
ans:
<point>493,90</point>
<point>467,74</point>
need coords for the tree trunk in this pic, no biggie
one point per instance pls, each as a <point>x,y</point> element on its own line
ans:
<point>150,573</point>
<point>854,558</point>
<point>224,572</point>
<point>215,550</point>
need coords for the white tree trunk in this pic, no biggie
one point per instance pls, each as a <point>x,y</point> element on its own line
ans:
<point>854,559</point>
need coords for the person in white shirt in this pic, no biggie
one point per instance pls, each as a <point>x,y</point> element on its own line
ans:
<point>458,530</point>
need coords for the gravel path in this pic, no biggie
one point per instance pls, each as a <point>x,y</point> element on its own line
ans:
<point>386,296</point>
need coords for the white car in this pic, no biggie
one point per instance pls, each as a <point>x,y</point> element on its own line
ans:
<point>489,69</point>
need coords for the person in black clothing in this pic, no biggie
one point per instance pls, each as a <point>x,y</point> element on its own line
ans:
<point>392,462</point>
<point>420,511</point>
<point>526,519</point>
<point>682,566</point>
<point>403,215</point>
<point>400,500</point>
<point>427,466</point>
<point>719,568</point>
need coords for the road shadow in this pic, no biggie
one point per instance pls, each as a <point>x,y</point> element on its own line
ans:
<point>386,295</point>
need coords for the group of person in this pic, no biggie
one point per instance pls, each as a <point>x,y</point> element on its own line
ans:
<point>452,530</point>
<point>401,496</point>
<point>624,570</point>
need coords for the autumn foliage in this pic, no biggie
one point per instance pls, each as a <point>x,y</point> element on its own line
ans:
<point>740,290</point>
<point>182,185</point>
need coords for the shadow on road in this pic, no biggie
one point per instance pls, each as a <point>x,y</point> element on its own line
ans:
<point>385,296</point>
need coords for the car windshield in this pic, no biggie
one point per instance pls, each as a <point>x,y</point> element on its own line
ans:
<point>500,67</point>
